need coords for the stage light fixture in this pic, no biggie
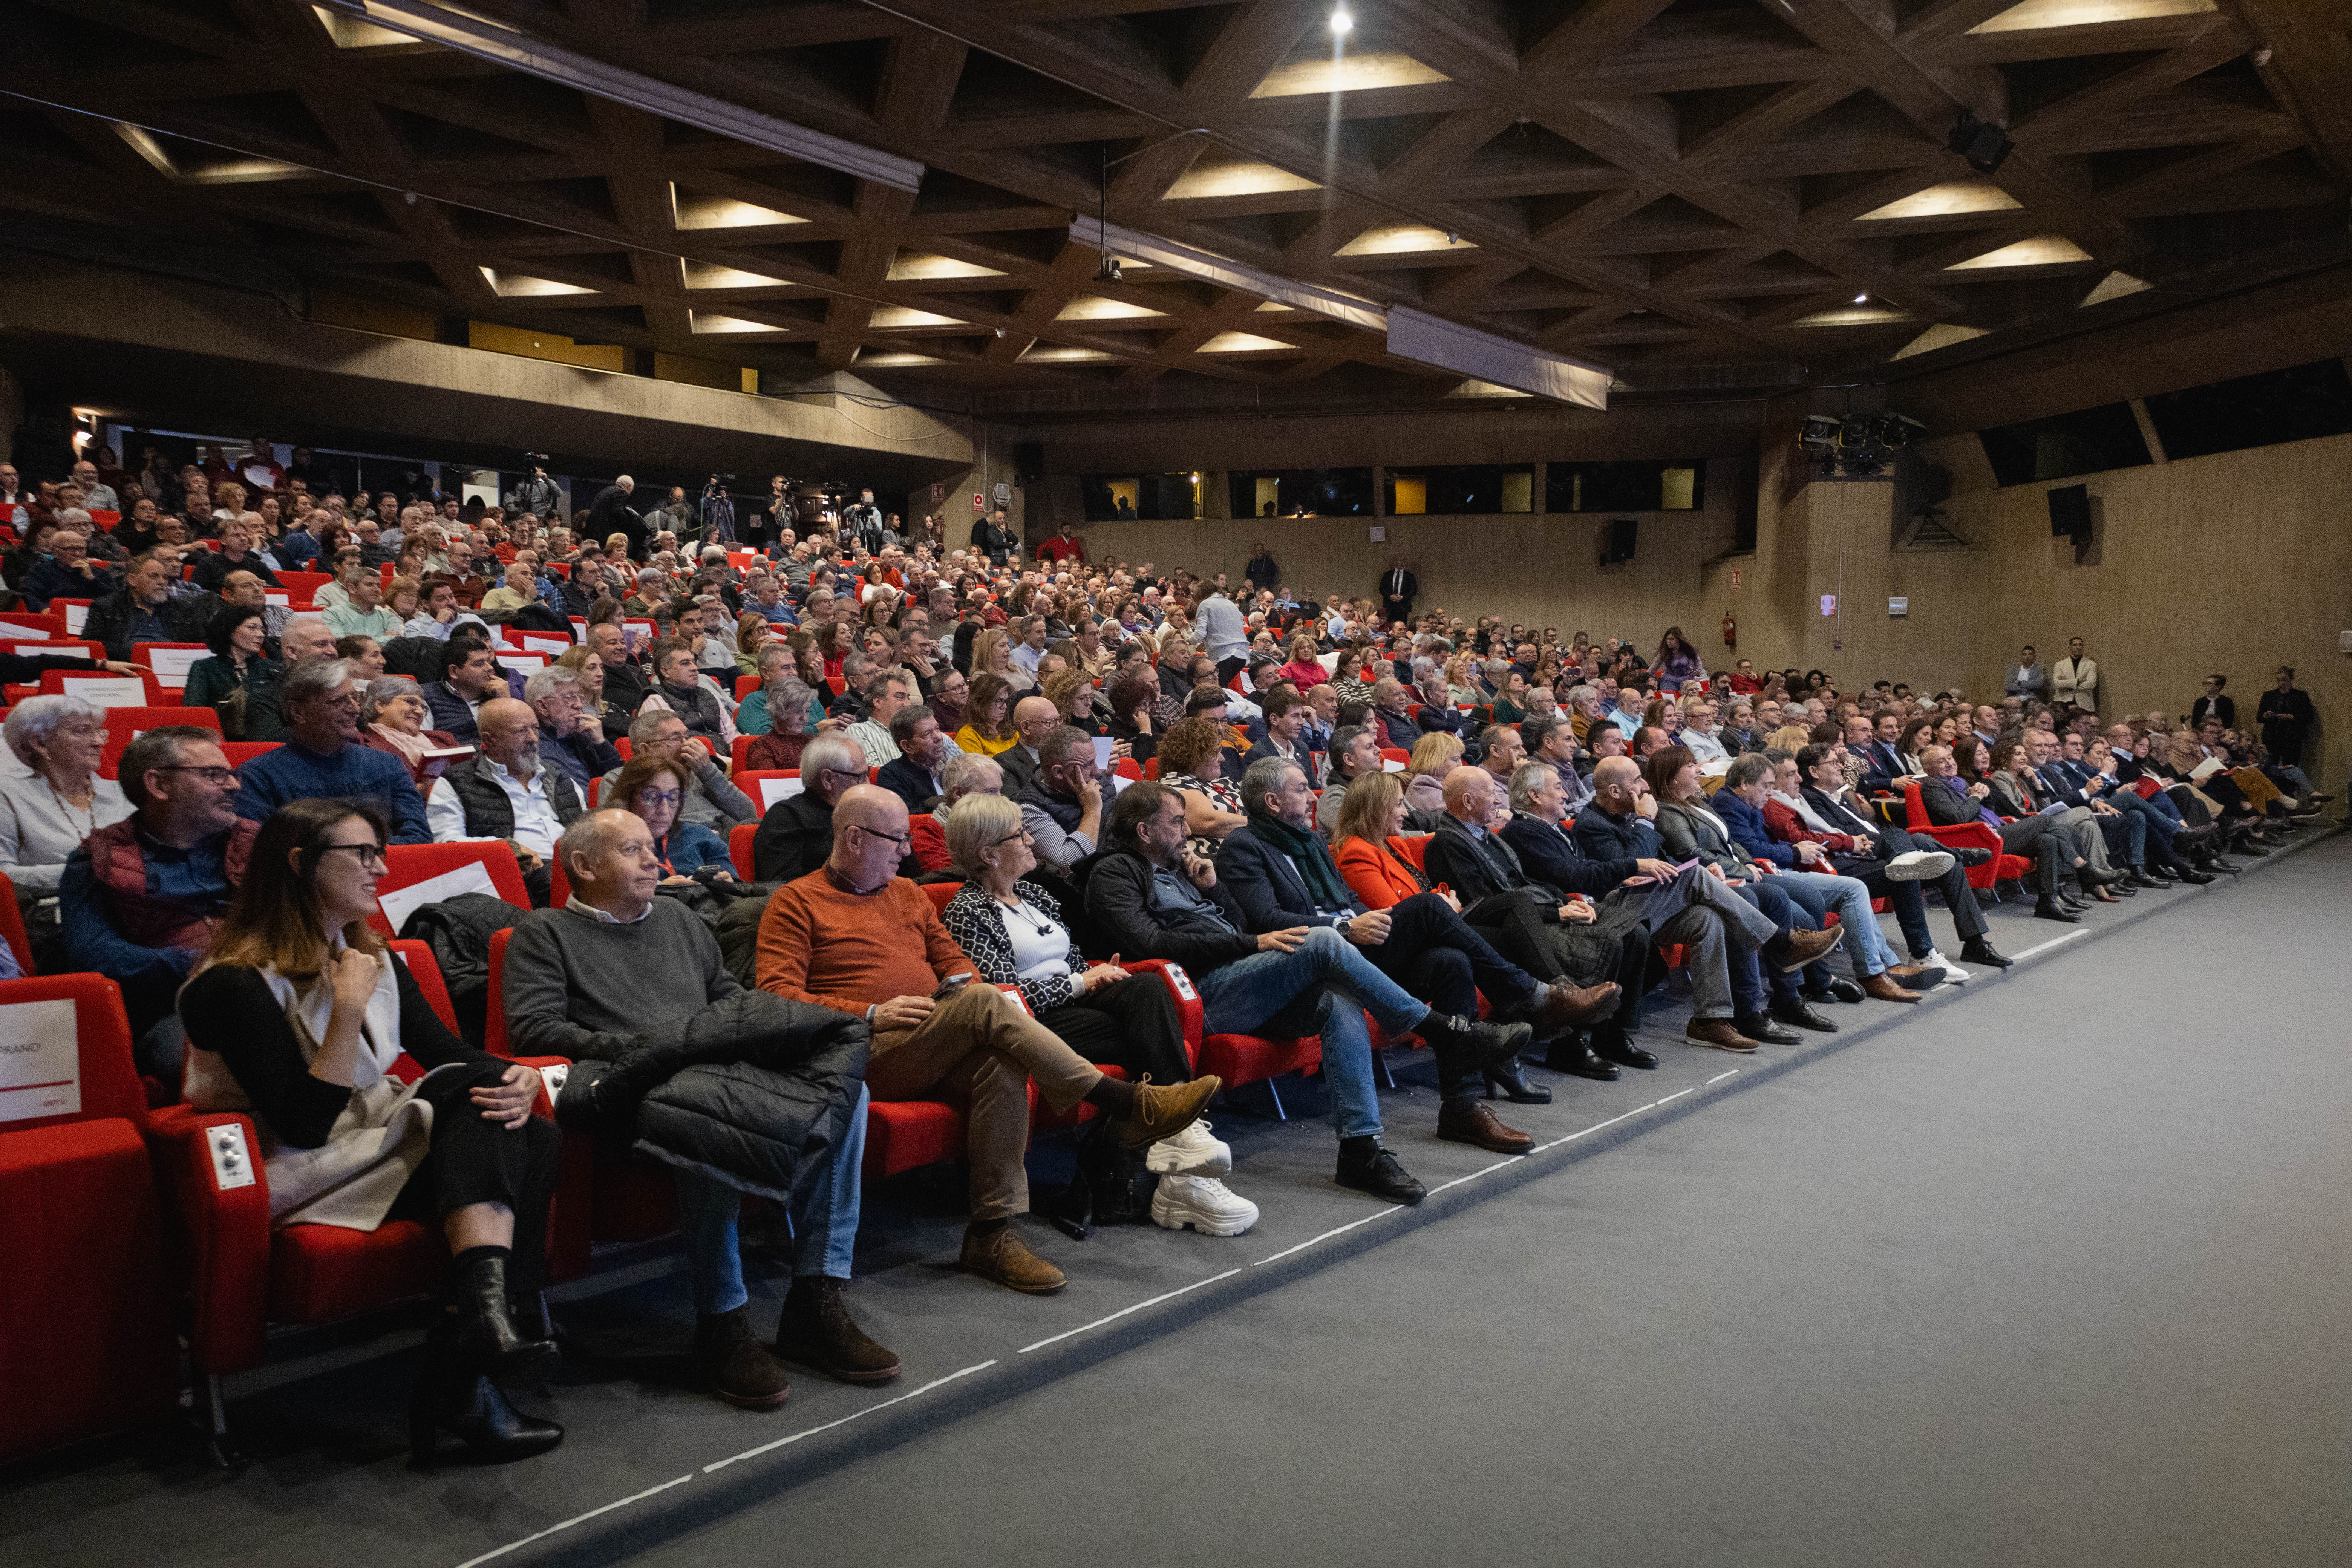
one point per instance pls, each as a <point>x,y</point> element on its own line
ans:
<point>1984,146</point>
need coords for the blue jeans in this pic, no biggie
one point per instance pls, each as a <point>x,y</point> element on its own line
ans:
<point>1818,894</point>
<point>825,1232</point>
<point>1325,987</point>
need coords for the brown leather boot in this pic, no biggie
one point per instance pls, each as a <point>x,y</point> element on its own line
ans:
<point>1161,1110</point>
<point>1886,990</point>
<point>1799,947</point>
<point>816,1330</point>
<point>1002,1256</point>
<point>1564,1007</point>
<point>736,1366</point>
<point>1470,1122</point>
<point>1720,1033</point>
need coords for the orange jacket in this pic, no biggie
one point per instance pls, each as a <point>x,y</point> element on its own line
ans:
<point>1381,879</point>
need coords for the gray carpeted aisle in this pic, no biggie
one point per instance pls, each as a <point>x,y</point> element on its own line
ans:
<point>2060,1276</point>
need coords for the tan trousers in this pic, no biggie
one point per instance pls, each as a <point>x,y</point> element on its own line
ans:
<point>980,1046</point>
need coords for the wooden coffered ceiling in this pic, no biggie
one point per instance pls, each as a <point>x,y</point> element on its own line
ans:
<point>1694,194</point>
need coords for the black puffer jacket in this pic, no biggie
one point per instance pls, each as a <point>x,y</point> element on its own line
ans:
<point>753,1090</point>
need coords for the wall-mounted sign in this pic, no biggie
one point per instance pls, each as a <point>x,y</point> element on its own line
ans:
<point>939,494</point>
<point>1829,604</point>
<point>1734,579</point>
<point>1380,534</point>
<point>1898,607</point>
<point>1003,494</point>
<point>979,501</point>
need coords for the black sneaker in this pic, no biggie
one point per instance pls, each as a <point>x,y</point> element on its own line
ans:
<point>1375,1171</point>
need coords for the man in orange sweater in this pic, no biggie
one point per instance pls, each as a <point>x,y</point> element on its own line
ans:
<point>854,936</point>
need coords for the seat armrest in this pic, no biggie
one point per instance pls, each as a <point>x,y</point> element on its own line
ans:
<point>217,1200</point>
<point>1182,992</point>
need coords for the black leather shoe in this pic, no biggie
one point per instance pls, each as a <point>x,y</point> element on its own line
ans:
<point>1976,950</point>
<point>1367,1167</point>
<point>1512,1079</point>
<point>2092,876</point>
<point>1970,856</point>
<point>1465,1048</point>
<point>2048,910</point>
<point>1847,990</point>
<point>488,1336</point>
<point>1760,1027</point>
<point>1610,1045</point>
<point>451,1395</point>
<point>2197,879</point>
<point>1794,1010</point>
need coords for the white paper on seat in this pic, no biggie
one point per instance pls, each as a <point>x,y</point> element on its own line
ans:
<point>118,691</point>
<point>533,662</point>
<point>17,631</point>
<point>1391,765</point>
<point>1103,743</point>
<point>473,877</point>
<point>1329,662</point>
<point>40,1060</point>
<point>172,664</point>
<point>76,616</point>
<point>542,642</point>
<point>773,790</point>
<point>283,601</point>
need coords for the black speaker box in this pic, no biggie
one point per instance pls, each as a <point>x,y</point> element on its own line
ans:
<point>2070,511</point>
<point>1028,462</point>
<point>1619,545</point>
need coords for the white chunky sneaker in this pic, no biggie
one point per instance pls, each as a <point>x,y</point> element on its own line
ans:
<point>1190,1153</point>
<point>1953,974</point>
<point>1919,865</point>
<point>1203,1203</point>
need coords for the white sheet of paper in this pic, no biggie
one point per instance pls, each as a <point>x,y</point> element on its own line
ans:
<point>172,664</point>
<point>1391,765</point>
<point>19,632</point>
<point>533,662</point>
<point>773,790</point>
<point>1329,662</point>
<point>283,601</point>
<point>40,1060</point>
<point>471,878</point>
<point>1103,743</point>
<point>76,616</point>
<point>116,691</point>
<point>542,642</point>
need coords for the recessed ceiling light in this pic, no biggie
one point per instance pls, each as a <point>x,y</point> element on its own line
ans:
<point>1341,23</point>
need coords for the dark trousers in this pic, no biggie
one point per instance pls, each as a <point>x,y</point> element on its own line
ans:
<point>1910,905</point>
<point>1435,955</point>
<point>475,1161</point>
<point>1750,976</point>
<point>1513,924</point>
<point>1131,1025</point>
<point>1229,668</point>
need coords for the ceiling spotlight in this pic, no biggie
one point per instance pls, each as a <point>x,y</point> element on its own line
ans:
<point>1861,299</point>
<point>1451,237</point>
<point>999,332</point>
<point>1341,23</point>
<point>408,196</point>
<point>1984,146</point>
<point>1110,271</point>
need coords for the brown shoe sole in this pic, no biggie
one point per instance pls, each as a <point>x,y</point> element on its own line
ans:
<point>839,1374</point>
<point>1489,1143</point>
<point>1015,1285</point>
<point>1792,965</point>
<point>1577,1016</point>
<point>1722,1044</point>
<point>754,1401</point>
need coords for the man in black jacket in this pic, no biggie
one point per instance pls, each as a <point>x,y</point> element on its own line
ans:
<point>142,610</point>
<point>993,539</point>
<point>1281,875</point>
<point>1148,899</point>
<point>914,774</point>
<point>1287,713</point>
<point>579,983</point>
<point>1398,588</point>
<point>468,675</point>
<point>610,513</point>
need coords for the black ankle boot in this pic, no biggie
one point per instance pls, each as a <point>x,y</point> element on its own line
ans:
<point>1465,1047</point>
<point>486,1333</point>
<point>453,1395</point>
<point>1512,1078</point>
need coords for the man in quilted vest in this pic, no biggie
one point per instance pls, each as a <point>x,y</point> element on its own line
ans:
<point>140,900</point>
<point>505,792</point>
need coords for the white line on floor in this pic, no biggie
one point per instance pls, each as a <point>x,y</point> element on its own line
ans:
<point>1123,1312</point>
<point>1719,1077</point>
<point>2046,946</point>
<point>1594,1128</point>
<point>885,1404</point>
<point>1327,1236</point>
<point>1476,1174</point>
<point>576,1519</point>
<point>1680,1093</point>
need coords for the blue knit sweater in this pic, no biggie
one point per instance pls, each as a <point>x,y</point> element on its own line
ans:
<point>293,771</point>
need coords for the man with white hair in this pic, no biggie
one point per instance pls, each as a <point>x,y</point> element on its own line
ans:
<point>797,833</point>
<point>67,571</point>
<point>610,513</point>
<point>93,493</point>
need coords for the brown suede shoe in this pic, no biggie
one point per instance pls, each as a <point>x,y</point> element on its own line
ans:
<point>816,1330</point>
<point>1470,1122</point>
<point>1799,947</point>
<point>1720,1033</point>
<point>736,1365</point>
<point>1162,1111</point>
<point>1886,990</point>
<point>1003,1257</point>
<point>1564,1007</point>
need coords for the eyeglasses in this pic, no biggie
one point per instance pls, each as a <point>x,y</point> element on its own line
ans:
<point>659,797</point>
<point>215,777</point>
<point>366,854</point>
<point>1023,836</point>
<point>904,841</point>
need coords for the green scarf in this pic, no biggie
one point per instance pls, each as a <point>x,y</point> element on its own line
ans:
<point>1316,868</point>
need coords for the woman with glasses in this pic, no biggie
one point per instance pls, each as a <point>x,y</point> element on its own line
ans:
<point>44,815</point>
<point>393,712</point>
<point>652,789</point>
<point>238,671</point>
<point>1011,930</point>
<point>296,1015</point>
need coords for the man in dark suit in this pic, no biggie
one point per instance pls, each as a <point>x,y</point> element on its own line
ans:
<point>1287,713</point>
<point>993,539</point>
<point>1282,877</point>
<point>1861,745</point>
<point>610,513</point>
<point>1398,589</point>
<point>1950,801</point>
<point>914,774</point>
<point>2213,704</point>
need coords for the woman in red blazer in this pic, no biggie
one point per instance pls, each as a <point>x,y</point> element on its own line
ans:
<point>1366,845</point>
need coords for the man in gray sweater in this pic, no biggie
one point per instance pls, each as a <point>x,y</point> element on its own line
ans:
<point>617,960</point>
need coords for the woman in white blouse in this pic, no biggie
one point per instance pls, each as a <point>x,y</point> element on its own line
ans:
<point>46,813</point>
<point>1011,930</point>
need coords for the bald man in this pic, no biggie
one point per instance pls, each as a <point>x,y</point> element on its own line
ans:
<point>306,637</point>
<point>858,938</point>
<point>1022,761</point>
<point>502,791</point>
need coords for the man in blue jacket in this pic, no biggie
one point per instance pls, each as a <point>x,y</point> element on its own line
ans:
<point>322,758</point>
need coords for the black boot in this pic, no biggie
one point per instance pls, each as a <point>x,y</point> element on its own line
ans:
<point>1466,1048</point>
<point>1368,1168</point>
<point>486,1333</point>
<point>452,1396</point>
<point>1611,1043</point>
<point>1512,1078</point>
<point>1980,950</point>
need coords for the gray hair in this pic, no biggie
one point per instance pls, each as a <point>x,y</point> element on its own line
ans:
<point>73,520</point>
<point>964,772</point>
<point>383,690</point>
<point>648,724</point>
<point>975,822</point>
<point>714,553</point>
<point>1747,769</point>
<point>35,720</point>
<point>590,832</point>
<point>1263,778</point>
<point>649,576</point>
<point>832,753</point>
<point>772,654</point>
<point>545,683</point>
<point>1528,778</point>
<point>794,696</point>
<point>315,678</point>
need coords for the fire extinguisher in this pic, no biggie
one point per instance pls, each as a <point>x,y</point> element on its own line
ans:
<point>1730,631</point>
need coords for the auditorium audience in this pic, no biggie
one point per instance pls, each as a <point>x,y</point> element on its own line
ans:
<point>505,792</point>
<point>60,801</point>
<point>322,757</point>
<point>797,833</point>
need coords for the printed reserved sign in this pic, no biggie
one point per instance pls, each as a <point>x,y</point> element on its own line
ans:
<point>40,1060</point>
